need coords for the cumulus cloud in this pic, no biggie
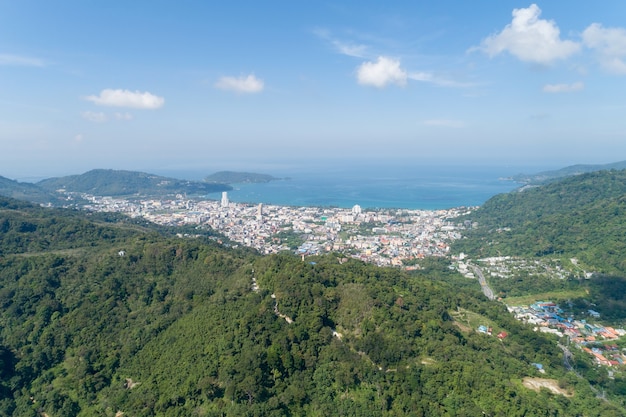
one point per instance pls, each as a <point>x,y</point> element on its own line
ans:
<point>563,88</point>
<point>127,98</point>
<point>385,71</point>
<point>96,117</point>
<point>610,44</point>
<point>530,39</point>
<point>381,73</point>
<point>20,61</point>
<point>249,84</point>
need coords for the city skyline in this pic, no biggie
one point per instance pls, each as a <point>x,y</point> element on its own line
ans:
<point>157,85</point>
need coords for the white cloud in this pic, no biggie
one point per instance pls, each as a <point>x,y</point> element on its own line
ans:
<point>123,116</point>
<point>79,138</point>
<point>249,84</point>
<point>457,124</point>
<point>382,72</point>
<point>530,39</point>
<point>96,117</point>
<point>126,98</point>
<point>20,61</point>
<point>344,48</point>
<point>563,88</point>
<point>349,49</point>
<point>437,80</point>
<point>101,117</point>
<point>610,44</point>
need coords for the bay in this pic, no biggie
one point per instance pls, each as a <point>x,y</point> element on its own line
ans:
<point>427,187</point>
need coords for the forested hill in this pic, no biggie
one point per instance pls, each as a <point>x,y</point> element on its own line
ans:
<point>107,182</point>
<point>26,191</point>
<point>582,216</point>
<point>123,319</point>
<point>549,176</point>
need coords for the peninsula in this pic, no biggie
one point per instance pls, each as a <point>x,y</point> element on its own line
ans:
<point>232,177</point>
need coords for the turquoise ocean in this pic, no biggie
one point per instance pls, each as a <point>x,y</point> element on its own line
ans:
<point>427,187</point>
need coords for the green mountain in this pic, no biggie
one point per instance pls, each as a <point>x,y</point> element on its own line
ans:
<point>26,191</point>
<point>231,177</point>
<point>582,216</point>
<point>548,176</point>
<point>106,182</point>
<point>109,317</point>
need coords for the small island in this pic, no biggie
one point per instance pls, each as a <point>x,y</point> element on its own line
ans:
<point>231,177</point>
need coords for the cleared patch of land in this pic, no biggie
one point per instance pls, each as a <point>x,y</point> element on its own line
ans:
<point>467,321</point>
<point>551,295</point>
<point>536,384</point>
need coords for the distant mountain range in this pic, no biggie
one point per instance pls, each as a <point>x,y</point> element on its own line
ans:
<point>548,176</point>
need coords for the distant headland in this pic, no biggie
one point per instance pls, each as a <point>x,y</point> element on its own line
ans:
<point>232,177</point>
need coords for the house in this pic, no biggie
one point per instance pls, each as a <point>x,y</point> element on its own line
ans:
<point>594,314</point>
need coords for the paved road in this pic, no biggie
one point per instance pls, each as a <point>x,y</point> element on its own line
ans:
<point>483,283</point>
<point>567,355</point>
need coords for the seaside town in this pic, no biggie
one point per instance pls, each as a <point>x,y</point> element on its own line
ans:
<point>383,237</point>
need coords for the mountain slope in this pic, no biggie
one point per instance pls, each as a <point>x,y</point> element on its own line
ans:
<point>582,216</point>
<point>26,191</point>
<point>549,176</point>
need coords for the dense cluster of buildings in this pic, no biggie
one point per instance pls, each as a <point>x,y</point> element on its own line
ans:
<point>383,237</point>
<point>592,338</point>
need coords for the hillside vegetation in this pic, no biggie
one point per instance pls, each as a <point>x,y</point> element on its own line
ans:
<point>124,319</point>
<point>549,176</point>
<point>582,217</point>
<point>26,191</point>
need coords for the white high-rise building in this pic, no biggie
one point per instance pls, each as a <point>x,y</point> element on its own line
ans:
<point>259,213</point>
<point>224,199</point>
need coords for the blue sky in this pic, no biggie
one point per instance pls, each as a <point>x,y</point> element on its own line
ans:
<point>149,85</point>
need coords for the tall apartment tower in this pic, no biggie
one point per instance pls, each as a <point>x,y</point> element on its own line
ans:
<point>259,213</point>
<point>224,199</point>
